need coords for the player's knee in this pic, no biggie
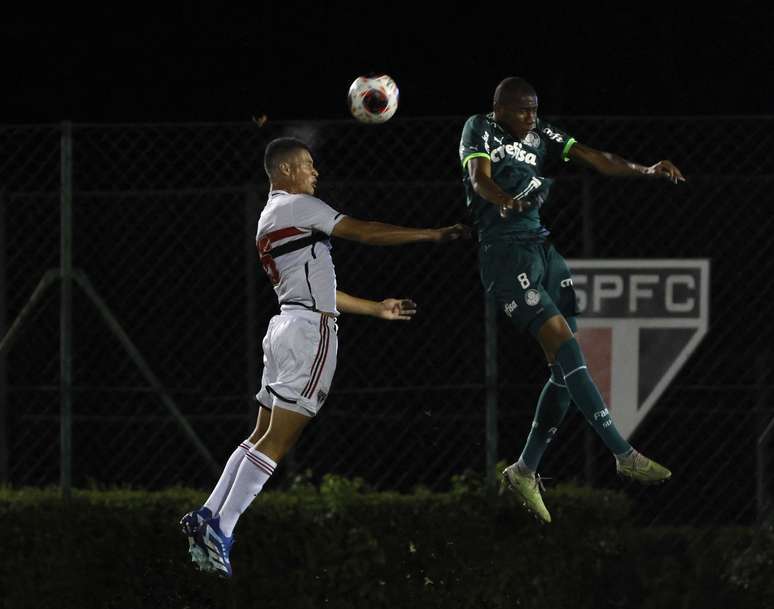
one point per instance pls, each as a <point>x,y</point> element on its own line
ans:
<point>276,445</point>
<point>272,448</point>
<point>553,334</point>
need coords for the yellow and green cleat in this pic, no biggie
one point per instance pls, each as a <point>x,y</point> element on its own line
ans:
<point>527,487</point>
<point>638,467</point>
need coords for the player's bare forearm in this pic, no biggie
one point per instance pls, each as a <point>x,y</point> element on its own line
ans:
<point>606,163</point>
<point>480,171</point>
<point>610,164</point>
<point>391,308</point>
<point>486,188</point>
<point>347,303</point>
<point>379,233</point>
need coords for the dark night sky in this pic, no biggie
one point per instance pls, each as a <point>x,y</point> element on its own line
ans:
<point>296,62</point>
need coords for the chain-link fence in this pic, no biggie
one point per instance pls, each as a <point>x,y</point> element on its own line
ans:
<point>163,228</point>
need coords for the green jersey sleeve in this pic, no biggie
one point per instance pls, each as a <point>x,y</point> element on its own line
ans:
<point>558,143</point>
<point>475,139</point>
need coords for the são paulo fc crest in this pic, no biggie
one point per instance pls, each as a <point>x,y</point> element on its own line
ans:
<point>640,322</point>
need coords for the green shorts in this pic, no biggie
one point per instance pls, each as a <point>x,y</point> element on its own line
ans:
<point>530,282</point>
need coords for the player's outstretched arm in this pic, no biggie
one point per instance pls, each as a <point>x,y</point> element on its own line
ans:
<point>378,233</point>
<point>610,164</point>
<point>392,309</point>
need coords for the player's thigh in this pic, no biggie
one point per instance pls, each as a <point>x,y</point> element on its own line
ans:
<point>269,372</point>
<point>285,427</point>
<point>305,355</point>
<point>514,275</point>
<point>559,285</point>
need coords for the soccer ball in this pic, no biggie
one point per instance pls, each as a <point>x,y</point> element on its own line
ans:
<point>373,99</point>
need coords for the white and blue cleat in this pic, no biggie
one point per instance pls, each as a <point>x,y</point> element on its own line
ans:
<point>192,525</point>
<point>218,547</point>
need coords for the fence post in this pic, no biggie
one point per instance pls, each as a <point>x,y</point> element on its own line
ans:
<point>764,427</point>
<point>589,437</point>
<point>251,209</point>
<point>66,311</point>
<point>490,382</point>
<point>4,473</point>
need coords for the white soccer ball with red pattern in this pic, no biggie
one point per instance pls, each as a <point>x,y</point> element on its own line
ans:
<point>373,99</point>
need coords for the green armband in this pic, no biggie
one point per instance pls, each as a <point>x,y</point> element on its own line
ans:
<point>473,156</point>
<point>570,143</point>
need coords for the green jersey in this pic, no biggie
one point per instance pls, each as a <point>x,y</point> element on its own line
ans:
<point>517,167</point>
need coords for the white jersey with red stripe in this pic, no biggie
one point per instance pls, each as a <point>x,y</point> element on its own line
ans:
<point>294,245</point>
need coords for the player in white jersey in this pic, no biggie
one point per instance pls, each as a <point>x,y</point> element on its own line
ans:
<point>299,349</point>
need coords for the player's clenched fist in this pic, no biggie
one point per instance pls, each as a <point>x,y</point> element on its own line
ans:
<point>450,233</point>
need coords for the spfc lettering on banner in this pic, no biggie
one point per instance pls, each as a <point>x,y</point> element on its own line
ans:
<point>640,321</point>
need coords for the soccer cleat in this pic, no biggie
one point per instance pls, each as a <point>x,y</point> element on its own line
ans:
<point>192,525</point>
<point>218,547</point>
<point>527,487</point>
<point>638,467</point>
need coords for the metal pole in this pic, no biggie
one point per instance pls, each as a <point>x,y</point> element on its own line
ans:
<point>589,437</point>
<point>50,277</point>
<point>251,210</point>
<point>762,497</point>
<point>134,353</point>
<point>4,474</point>
<point>490,381</point>
<point>66,312</point>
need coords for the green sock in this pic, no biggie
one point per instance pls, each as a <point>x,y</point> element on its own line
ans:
<point>551,407</point>
<point>587,397</point>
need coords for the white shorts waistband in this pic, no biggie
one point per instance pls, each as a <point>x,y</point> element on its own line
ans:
<point>305,314</point>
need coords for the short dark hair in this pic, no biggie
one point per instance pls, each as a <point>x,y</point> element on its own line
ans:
<point>511,90</point>
<point>279,150</point>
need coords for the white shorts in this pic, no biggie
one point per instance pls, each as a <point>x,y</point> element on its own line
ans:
<point>299,359</point>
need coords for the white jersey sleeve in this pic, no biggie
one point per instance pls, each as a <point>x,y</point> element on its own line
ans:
<point>312,213</point>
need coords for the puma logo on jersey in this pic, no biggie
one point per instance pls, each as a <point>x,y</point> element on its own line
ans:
<point>513,150</point>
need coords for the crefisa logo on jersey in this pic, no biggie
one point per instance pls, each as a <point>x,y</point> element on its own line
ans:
<point>515,151</point>
<point>640,321</point>
<point>552,135</point>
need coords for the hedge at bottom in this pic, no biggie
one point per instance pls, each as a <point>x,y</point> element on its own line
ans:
<point>340,547</point>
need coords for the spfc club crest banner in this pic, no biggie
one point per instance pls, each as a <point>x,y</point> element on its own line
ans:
<point>640,321</point>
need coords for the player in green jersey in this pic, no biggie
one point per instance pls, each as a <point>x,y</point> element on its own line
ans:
<point>502,157</point>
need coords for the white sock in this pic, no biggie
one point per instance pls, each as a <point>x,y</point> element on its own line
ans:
<point>219,493</point>
<point>255,469</point>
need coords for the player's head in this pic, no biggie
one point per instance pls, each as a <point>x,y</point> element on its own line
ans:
<point>289,164</point>
<point>515,106</point>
